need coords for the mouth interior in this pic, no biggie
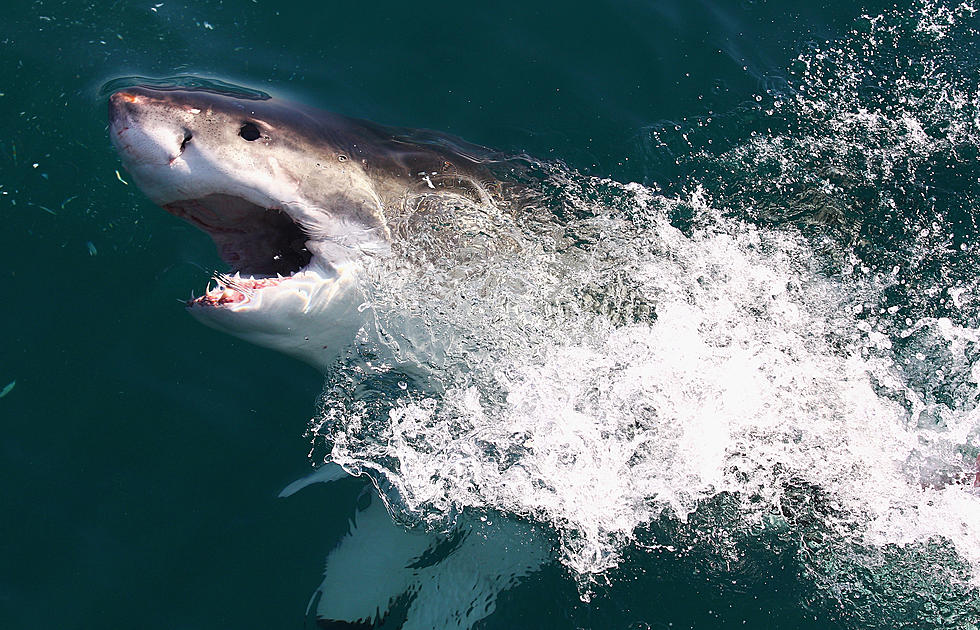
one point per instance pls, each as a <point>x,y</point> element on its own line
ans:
<point>262,243</point>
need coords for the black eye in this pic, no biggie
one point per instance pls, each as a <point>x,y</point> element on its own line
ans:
<point>249,131</point>
<point>187,138</point>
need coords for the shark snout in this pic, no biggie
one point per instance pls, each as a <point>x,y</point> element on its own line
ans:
<point>117,108</point>
<point>141,132</point>
<point>123,105</point>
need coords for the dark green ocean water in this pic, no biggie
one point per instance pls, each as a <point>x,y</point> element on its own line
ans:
<point>142,453</point>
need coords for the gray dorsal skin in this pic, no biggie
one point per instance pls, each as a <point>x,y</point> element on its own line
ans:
<point>294,199</point>
<point>396,161</point>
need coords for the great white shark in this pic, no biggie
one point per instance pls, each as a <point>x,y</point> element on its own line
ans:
<point>293,197</point>
<point>296,200</point>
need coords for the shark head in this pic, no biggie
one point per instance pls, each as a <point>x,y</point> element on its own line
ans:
<point>282,193</point>
<point>295,199</point>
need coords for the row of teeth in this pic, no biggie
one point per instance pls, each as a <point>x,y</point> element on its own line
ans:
<point>229,287</point>
<point>220,292</point>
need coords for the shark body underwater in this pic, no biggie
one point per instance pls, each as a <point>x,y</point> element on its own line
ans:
<point>296,199</point>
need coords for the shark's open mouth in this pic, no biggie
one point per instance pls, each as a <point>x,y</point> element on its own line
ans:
<point>263,246</point>
<point>275,187</point>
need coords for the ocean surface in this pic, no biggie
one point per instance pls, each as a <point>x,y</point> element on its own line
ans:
<point>730,381</point>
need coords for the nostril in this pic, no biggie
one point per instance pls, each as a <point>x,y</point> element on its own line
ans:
<point>187,138</point>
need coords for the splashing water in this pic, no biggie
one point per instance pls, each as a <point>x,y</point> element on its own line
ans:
<point>791,326</point>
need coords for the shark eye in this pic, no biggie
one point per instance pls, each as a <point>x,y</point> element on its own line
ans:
<point>249,131</point>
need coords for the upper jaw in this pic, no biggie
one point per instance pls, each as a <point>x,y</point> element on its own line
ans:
<point>264,229</point>
<point>257,239</point>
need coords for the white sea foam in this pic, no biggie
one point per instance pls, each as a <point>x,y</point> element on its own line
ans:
<point>615,366</point>
<point>755,372</point>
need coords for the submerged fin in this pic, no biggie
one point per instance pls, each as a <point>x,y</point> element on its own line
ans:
<point>324,474</point>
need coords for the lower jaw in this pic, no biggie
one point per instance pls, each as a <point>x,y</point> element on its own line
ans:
<point>233,289</point>
<point>226,291</point>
